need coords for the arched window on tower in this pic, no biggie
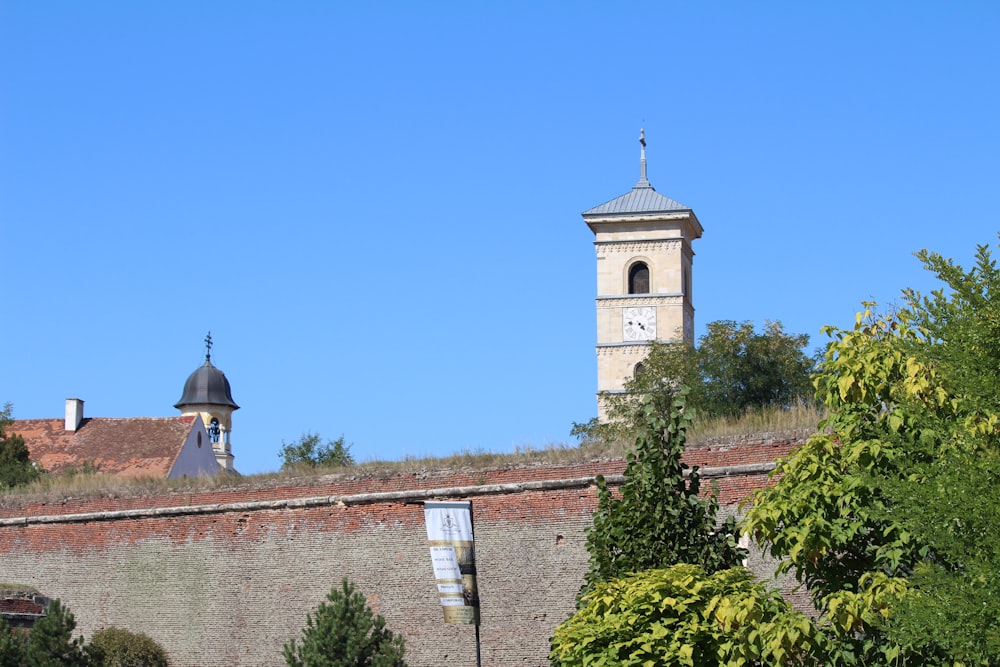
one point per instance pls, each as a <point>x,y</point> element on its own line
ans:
<point>638,370</point>
<point>638,279</point>
<point>214,430</point>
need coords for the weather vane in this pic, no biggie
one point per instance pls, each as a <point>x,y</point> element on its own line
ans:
<point>208,346</point>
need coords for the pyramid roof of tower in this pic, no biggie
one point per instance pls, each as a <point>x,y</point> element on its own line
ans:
<point>643,198</point>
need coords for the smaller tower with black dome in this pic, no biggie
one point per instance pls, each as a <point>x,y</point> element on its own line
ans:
<point>207,393</point>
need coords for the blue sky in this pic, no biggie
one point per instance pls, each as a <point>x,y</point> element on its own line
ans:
<point>375,207</point>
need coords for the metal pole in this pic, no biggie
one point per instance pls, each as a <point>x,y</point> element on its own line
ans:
<point>479,658</point>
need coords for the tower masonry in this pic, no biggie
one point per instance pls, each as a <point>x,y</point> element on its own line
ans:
<point>644,289</point>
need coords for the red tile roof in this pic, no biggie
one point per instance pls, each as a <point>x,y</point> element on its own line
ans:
<point>132,446</point>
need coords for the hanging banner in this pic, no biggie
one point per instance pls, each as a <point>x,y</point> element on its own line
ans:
<point>453,555</point>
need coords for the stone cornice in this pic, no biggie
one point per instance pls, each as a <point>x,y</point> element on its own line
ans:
<point>636,349</point>
<point>645,245</point>
<point>680,215</point>
<point>636,300</point>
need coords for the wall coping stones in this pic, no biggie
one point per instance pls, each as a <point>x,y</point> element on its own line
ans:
<point>404,496</point>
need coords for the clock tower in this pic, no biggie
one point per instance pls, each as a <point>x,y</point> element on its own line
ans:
<point>644,257</point>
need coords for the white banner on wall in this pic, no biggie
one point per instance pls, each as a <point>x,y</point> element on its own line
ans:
<point>453,556</point>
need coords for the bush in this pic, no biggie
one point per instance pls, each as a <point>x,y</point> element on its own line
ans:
<point>345,633</point>
<point>683,616</point>
<point>117,647</point>
<point>309,452</point>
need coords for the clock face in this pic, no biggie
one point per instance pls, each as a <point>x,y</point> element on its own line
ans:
<point>639,323</point>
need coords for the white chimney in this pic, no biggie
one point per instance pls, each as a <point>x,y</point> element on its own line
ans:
<point>74,413</point>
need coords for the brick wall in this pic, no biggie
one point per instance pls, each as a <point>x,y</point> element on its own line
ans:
<point>225,577</point>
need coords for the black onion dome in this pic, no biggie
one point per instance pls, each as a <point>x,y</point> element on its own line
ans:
<point>207,386</point>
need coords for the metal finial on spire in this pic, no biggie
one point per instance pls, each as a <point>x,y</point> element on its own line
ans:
<point>208,346</point>
<point>642,159</point>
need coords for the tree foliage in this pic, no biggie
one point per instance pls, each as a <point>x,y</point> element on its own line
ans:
<point>890,512</point>
<point>741,368</point>
<point>51,643</point>
<point>16,469</point>
<point>118,647</point>
<point>664,586</point>
<point>345,633</point>
<point>733,369</point>
<point>309,452</point>
<point>949,498</point>
<point>953,606</point>
<point>658,519</point>
<point>11,646</point>
<point>961,328</point>
<point>682,616</point>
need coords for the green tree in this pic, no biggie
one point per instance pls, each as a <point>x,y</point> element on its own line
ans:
<point>11,646</point>
<point>949,498</point>
<point>664,586</point>
<point>682,616</point>
<point>951,505</point>
<point>733,369</point>
<point>345,632</point>
<point>16,469</point>
<point>961,327</point>
<point>666,368</point>
<point>309,452</point>
<point>889,513</point>
<point>117,647</point>
<point>658,519</point>
<point>741,369</point>
<point>51,643</point>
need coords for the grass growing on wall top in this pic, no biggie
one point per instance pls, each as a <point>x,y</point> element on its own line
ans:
<point>773,423</point>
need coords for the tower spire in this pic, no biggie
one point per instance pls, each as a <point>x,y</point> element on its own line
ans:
<point>208,347</point>
<point>643,183</point>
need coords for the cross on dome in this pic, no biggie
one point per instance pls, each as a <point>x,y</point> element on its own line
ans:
<point>642,159</point>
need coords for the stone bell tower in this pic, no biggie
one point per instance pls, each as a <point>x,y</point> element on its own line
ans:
<point>644,258</point>
<point>207,393</point>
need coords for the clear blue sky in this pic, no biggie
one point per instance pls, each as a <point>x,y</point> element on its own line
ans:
<point>375,207</point>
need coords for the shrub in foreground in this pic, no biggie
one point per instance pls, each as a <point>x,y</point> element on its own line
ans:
<point>345,632</point>
<point>117,647</point>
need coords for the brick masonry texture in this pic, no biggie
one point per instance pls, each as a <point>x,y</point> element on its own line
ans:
<point>225,579</point>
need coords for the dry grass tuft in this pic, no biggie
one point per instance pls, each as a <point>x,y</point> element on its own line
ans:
<point>59,488</point>
<point>768,420</point>
<point>7,588</point>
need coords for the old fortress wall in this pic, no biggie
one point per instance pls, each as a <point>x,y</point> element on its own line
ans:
<point>225,577</point>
